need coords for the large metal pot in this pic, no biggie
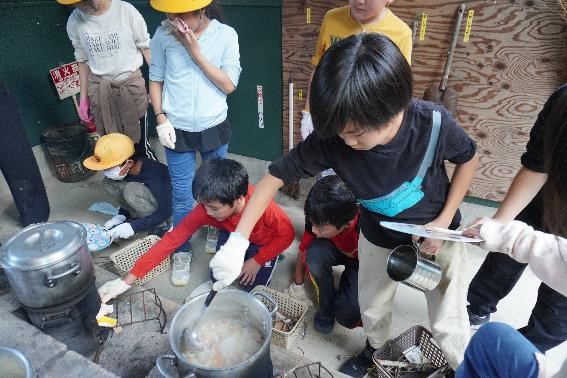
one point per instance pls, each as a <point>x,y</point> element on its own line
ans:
<point>233,303</point>
<point>47,264</point>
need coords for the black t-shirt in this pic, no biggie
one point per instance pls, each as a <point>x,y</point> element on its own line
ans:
<point>379,171</point>
<point>534,159</point>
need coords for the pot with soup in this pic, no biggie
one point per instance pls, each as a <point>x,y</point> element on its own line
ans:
<point>232,339</point>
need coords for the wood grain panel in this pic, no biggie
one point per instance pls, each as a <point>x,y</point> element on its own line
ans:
<point>515,58</point>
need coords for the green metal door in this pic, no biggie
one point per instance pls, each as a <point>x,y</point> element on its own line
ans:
<point>258,24</point>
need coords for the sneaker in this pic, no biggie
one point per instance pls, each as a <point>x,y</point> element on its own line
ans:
<point>477,321</point>
<point>180,270</point>
<point>324,321</point>
<point>212,238</point>
<point>359,365</point>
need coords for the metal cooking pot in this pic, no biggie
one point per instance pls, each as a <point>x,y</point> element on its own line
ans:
<point>228,302</point>
<point>14,363</point>
<point>47,264</point>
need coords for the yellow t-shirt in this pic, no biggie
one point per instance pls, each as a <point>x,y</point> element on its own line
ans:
<point>339,24</point>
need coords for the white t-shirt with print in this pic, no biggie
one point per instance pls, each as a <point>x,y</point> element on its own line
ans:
<point>110,43</point>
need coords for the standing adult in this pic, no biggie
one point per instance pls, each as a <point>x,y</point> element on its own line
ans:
<point>547,326</point>
<point>18,164</point>
<point>111,41</point>
<point>195,65</point>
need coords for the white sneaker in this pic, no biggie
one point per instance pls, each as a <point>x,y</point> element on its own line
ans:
<point>180,269</point>
<point>212,238</point>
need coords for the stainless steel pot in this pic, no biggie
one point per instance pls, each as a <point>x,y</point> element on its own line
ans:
<point>47,264</point>
<point>233,303</point>
<point>14,363</point>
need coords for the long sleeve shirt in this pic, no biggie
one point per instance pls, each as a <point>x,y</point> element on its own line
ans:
<point>346,241</point>
<point>273,232</point>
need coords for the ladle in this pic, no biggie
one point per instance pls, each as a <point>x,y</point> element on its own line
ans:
<point>189,335</point>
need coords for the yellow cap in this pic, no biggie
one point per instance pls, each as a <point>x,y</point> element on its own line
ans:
<point>110,150</point>
<point>177,6</point>
<point>67,2</point>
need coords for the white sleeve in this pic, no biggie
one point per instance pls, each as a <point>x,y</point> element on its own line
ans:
<point>546,254</point>
<point>230,62</point>
<point>139,28</point>
<point>75,37</point>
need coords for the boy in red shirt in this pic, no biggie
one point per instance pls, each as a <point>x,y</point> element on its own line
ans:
<point>221,188</point>
<point>330,239</point>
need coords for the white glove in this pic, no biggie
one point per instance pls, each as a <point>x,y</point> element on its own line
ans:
<point>112,289</point>
<point>306,124</point>
<point>114,221</point>
<point>122,231</point>
<point>228,261</point>
<point>298,292</point>
<point>166,134</point>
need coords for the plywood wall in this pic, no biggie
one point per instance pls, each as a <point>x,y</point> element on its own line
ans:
<point>515,57</point>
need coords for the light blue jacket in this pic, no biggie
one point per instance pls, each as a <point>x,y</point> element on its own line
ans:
<point>191,101</point>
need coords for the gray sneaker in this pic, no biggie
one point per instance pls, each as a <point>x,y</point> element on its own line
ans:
<point>180,268</point>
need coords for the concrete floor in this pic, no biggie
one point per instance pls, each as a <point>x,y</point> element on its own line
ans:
<point>71,202</point>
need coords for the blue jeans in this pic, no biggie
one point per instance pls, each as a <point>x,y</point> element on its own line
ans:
<point>182,168</point>
<point>498,350</point>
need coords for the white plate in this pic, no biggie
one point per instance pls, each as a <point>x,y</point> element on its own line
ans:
<point>430,232</point>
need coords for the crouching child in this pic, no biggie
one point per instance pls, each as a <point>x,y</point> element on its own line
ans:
<point>222,190</point>
<point>330,239</point>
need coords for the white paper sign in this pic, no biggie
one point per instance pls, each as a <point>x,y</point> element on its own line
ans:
<point>260,94</point>
<point>66,79</point>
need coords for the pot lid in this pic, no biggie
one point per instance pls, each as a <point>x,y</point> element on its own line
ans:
<point>41,245</point>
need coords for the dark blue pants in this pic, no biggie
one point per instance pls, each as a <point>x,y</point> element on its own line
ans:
<point>498,350</point>
<point>18,164</point>
<point>264,274</point>
<point>547,326</point>
<point>321,256</point>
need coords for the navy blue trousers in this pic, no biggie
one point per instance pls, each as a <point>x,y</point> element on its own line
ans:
<point>321,256</point>
<point>18,164</point>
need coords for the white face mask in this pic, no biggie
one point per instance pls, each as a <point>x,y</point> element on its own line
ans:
<point>114,173</point>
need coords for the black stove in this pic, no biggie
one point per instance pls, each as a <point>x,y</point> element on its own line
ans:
<point>73,322</point>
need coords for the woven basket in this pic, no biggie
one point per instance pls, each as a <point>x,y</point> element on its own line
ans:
<point>394,349</point>
<point>289,307</point>
<point>125,258</point>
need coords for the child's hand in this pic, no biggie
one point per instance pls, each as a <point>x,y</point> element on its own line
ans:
<point>191,43</point>
<point>427,245</point>
<point>249,271</point>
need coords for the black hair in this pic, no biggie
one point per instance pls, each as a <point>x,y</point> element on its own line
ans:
<point>555,157</point>
<point>363,79</point>
<point>330,201</point>
<point>222,180</point>
<point>214,11</point>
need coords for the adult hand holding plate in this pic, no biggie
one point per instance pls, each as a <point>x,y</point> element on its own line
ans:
<point>430,232</point>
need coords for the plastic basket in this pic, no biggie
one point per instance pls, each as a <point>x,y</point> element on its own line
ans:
<point>416,336</point>
<point>125,258</point>
<point>289,307</point>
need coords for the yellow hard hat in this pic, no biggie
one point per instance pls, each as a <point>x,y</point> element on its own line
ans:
<point>110,150</point>
<point>67,2</point>
<point>177,6</point>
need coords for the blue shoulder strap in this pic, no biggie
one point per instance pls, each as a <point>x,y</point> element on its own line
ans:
<point>428,159</point>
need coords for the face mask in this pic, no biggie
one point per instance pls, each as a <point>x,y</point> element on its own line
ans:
<point>114,173</point>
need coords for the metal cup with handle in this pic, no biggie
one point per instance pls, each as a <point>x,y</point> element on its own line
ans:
<point>413,268</point>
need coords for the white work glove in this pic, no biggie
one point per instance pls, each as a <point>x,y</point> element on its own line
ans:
<point>228,261</point>
<point>112,289</point>
<point>306,124</point>
<point>114,221</point>
<point>122,231</point>
<point>298,292</point>
<point>166,134</point>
